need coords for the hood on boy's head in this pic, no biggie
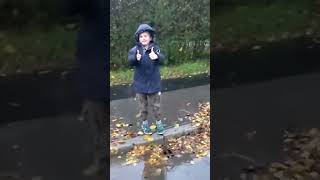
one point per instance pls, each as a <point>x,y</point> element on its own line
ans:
<point>144,28</point>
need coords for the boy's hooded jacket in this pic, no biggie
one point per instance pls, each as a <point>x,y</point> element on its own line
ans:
<point>147,77</point>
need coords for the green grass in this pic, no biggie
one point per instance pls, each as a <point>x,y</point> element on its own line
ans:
<point>258,22</point>
<point>167,72</point>
<point>36,49</point>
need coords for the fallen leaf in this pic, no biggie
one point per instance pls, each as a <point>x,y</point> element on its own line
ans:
<point>178,155</point>
<point>121,142</point>
<point>153,127</point>
<point>314,174</point>
<point>256,47</point>
<point>278,166</point>
<point>148,138</point>
<point>279,174</point>
<point>135,164</point>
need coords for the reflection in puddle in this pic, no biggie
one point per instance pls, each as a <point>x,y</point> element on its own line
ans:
<point>184,167</point>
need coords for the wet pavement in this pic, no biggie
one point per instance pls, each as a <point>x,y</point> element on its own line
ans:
<point>251,120</point>
<point>184,167</point>
<point>175,105</point>
<point>49,149</point>
<point>127,91</point>
<point>55,92</point>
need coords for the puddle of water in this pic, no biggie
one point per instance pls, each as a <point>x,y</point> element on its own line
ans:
<point>184,167</point>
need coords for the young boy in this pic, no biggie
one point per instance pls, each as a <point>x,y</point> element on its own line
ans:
<point>146,59</point>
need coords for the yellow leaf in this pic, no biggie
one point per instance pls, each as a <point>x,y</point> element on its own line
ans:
<point>118,125</point>
<point>125,125</point>
<point>177,126</point>
<point>148,138</point>
<point>153,127</point>
<point>131,160</point>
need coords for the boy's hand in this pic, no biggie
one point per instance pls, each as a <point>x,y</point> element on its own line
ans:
<point>153,55</point>
<point>138,55</point>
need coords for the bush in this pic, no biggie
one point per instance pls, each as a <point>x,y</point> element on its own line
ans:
<point>182,28</point>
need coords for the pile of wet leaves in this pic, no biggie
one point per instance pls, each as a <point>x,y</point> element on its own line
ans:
<point>196,143</point>
<point>301,161</point>
<point>121,132</point>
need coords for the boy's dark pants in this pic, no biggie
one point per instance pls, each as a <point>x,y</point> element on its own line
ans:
<point>146,100</point>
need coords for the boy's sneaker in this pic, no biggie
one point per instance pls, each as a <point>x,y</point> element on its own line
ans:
<point>160,128</point>
<point>145,128</point>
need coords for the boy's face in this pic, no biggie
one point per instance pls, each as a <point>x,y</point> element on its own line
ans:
<point>145,38</point>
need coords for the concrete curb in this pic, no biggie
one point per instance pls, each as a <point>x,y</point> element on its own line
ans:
<point>169,133</point>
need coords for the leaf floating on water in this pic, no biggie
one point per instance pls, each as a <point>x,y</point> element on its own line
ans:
<point>135,164</point>
<point>140,133</point>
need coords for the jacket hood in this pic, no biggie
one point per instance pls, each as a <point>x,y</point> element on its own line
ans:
<point>144,28</point>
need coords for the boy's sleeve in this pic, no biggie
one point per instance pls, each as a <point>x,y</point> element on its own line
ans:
<point>161,57</point>
<point>132,57</point>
